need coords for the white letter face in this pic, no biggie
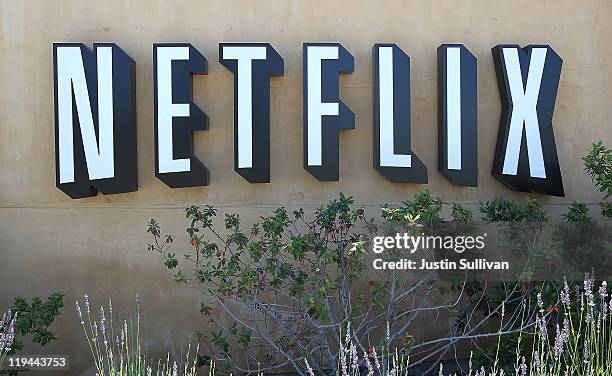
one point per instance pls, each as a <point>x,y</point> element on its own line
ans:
<point>524,112</point>
<point>453,102</point>
<point>526,155</point>
<point>252,65</point>
<point>457,115</point>
<point>166,110</point>
<point>94,120</point>
<point>324,113</point>
<point>393,156</point>
<point>388,158</point>
<point>176,116</point>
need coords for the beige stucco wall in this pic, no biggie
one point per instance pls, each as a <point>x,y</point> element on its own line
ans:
<point>97,245</point>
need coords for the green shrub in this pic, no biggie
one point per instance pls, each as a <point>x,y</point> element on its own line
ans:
<point>502,209</point>
<point>598,164</point>
<point>577,212</point>
<point>461,214</point>
<point>302,277</point>
<point>606,209</point>
<point>35,319</point>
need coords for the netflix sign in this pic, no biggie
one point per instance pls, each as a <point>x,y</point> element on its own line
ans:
<point>95,115</point>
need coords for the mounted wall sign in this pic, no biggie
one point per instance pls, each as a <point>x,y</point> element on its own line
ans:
<point>95,115</point>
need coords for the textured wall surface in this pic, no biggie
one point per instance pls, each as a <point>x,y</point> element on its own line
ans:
<point>97,245</point>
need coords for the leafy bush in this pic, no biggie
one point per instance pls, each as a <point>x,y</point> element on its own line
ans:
<point>425,205</point>
<point>502,209</point>
<point>35,319</point>
<point>606,209</point>
<point>598,164</point>
<point>292,281</point>
<point>577,212</point>
<point>461,214</point>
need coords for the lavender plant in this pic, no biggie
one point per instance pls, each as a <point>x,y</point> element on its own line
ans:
<point>7,334</point>
<point>118,350</point>
<point>581,343</point>
<point>386,362</point>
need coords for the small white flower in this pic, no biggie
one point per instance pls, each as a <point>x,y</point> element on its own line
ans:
<point>565,295</point>
<point>540,302</point>
<point>86,301</point>
<point>523,367</point>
